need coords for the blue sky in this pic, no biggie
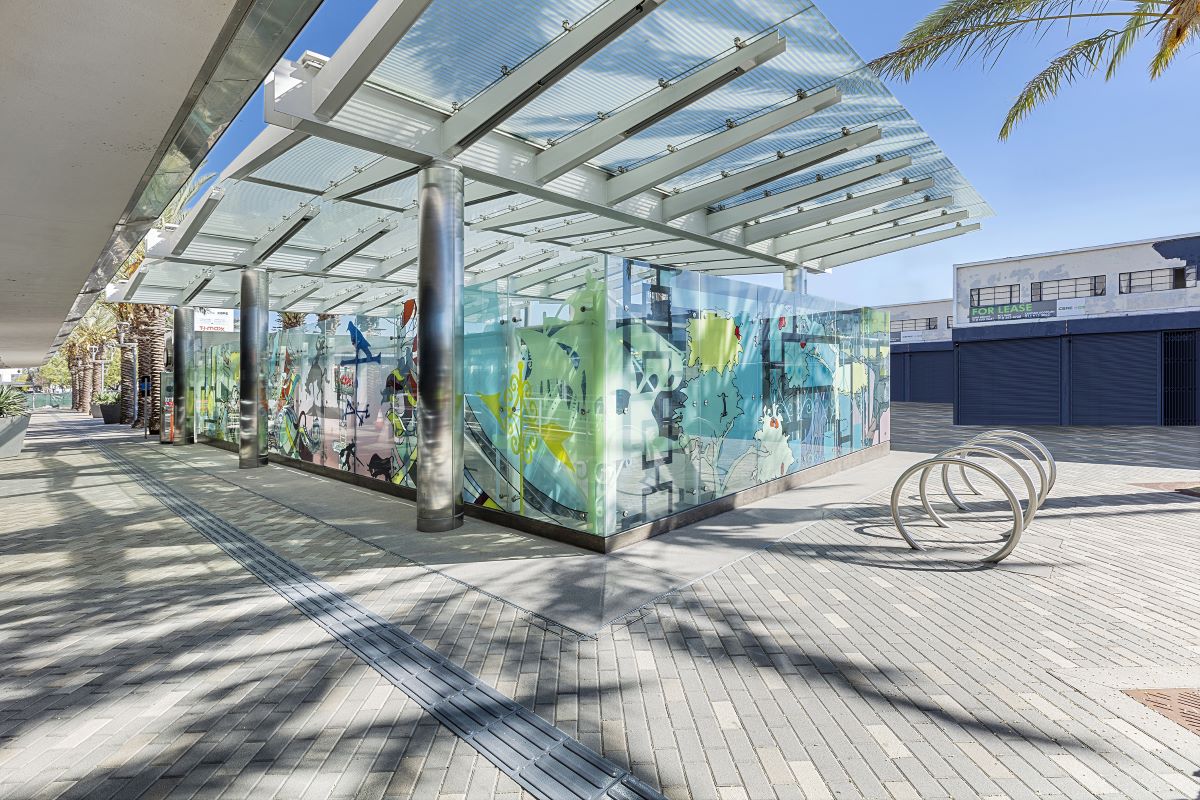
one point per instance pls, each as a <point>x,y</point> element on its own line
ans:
<point>1104,162</point>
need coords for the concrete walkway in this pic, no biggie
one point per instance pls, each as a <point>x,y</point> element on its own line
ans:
<point>141,661</point>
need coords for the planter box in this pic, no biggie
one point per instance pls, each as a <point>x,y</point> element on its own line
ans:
<point>110,413</point>
<point>12,435</point>
<point>96,411</point>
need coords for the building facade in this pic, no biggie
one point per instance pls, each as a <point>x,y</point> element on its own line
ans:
<point>922,360</point>
<point>1096,336</point>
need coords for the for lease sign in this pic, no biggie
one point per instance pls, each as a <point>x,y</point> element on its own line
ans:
<point>1006,311</point>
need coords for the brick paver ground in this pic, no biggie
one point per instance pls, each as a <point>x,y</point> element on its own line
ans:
<point>139,661</point>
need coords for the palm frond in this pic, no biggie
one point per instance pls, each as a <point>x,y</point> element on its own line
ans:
<point>965,29</point>
<point>1176,33</point>
<point>1134,29</point>
<point>1079,60</point>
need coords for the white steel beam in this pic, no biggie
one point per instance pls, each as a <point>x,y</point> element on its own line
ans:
<point>550,273</point>
<point>832,230</point>
<point>523,215</point>
<point>744,212</point>
<point>762,269</point>
<point>395,263</point>
<point>480,192</point>
<point>486,253</point>
<point>610,131</point>
<point>362,51</point>
<point>277,237</point>
<point>584,227</point>
<point>540,71</point>
<point>379,301</point>
<point>855,241</point>
<point>605,243</point>
<point>789,223</point>
<point>383,172</point>
<point>665,249</point>
<point>511,268</point>
<point>195,220</point>
<point>707,265</point>
<point>304,290</point>
<point>330,303</point>
<point>894,245</point>
<point>354,244</point>
<point>639,179</point>
<point>571,281</point>
<point>194,287</point>
<point>269,145</point>
<point>744,180</point>
<point>706,257</point>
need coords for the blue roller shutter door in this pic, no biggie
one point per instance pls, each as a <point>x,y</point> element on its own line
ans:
<point>1115,379</point>
<point>1009,382</point>
<point>900,377</point>
<point>931,377</point>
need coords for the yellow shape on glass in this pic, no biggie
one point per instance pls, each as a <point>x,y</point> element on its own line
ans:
<point>713,342</point>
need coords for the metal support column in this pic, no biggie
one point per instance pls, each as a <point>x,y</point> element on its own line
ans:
<point>181,358</point>
<point>252,391</point>
<point>440,343</point>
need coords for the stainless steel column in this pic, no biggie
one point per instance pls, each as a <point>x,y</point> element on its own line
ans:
<point>252,391</point>
<point>440,348</point>
<point>181,358</point>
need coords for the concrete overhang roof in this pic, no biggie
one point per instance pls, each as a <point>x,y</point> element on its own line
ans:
<point>107,109</point>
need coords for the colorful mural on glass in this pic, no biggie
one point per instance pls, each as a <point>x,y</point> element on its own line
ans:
<point>723,385</point>
<point>342,394</point>
<point>628,401</point>
<point>216,376</point>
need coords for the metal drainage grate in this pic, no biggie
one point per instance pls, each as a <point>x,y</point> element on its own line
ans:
<point>1181,706</point>
<point>541,758</point>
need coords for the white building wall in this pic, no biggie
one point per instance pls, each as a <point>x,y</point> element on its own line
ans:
<point>1109,261</point>
<point>938,309</point>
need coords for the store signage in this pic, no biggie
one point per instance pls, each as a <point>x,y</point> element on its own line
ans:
<point>215,320</point>
<point>909,336</point>
<point>1041,309</point>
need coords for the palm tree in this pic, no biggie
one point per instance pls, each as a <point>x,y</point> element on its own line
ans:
<point>93,333</point>
<point>150,331</point>
<point>962,30</point>
<point>124,314</point>
<point>149,322</point>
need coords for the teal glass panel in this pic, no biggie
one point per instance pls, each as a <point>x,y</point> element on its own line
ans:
<point>719,385</point>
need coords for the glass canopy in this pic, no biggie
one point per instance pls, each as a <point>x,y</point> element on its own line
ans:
<point>720,137</point>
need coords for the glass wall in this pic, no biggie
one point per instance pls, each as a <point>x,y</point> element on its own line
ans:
<point>639,394</point>
<point>214,374</point>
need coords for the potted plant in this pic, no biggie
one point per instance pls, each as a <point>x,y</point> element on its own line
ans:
<point>14,420</point>
<point>109,403</point>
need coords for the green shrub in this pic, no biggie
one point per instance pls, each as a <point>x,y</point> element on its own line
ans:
<point>12,402</point>
<point>107,398</point>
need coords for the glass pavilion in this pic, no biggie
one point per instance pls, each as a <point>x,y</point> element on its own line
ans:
<point>503,247</point>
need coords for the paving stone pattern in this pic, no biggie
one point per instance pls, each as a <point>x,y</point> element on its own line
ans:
<point>537,755</point>
<point>140,661</point>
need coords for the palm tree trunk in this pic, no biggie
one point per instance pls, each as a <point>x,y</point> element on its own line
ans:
<point>86,385</point>
<point>97,376</point>
<point>128,383</point>
<point>150,329</point>
<point>76,383</point>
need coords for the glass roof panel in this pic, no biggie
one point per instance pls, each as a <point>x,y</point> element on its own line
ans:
<point>315,164</point>
<point>441,61</point>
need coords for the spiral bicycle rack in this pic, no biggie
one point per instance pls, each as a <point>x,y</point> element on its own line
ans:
<point>1003,445</point>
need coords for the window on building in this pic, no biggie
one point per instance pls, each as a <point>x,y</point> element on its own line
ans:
<point>1068,288</point>
<point>995,295</point>
<point>1158,280</point>
<point>949,322</point>
<point>917,324</point>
